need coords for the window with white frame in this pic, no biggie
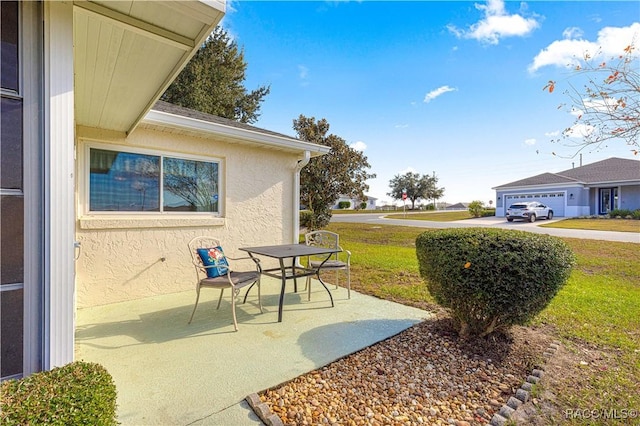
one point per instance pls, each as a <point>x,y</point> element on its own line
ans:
<point>129,181</point>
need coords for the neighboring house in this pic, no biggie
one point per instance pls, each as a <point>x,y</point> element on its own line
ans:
<point>94,168</point>
<point>458,206</point>
<point>592,189</point>
<point>353,203</point>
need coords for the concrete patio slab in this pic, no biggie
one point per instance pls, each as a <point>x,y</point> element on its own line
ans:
<point>168,372</point>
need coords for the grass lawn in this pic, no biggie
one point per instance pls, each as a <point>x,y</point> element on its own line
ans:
<point>435,216</point>
<point>598,311</point>
<point>622,225</point>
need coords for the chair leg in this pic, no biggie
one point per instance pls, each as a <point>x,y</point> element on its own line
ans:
<point>196,305</point>
<point>259,296</point>
<point>308,287</point>
<point>234,294</point>
<point>337,277</point>
<point>220,298</point>
<point>348,270</point>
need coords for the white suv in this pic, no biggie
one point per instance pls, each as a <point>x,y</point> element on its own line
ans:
<point>529,211</point>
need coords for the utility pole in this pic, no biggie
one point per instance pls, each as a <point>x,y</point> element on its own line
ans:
<point>434,187</point>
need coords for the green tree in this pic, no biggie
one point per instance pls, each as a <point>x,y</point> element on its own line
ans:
<point>213,82</point>
<point>417,187</point>
<point>475,208</point>
<point>343,171</point>
<point>607,107</point>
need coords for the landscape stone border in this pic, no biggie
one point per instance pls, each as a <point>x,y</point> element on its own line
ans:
<point>522,395</point>
<point>501,418</point>
<point>262,410</point>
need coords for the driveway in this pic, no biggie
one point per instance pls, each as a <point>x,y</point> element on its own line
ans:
<point>492,222</point>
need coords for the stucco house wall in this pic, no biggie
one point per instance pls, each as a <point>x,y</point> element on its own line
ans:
<point>630,198</point>
<point>121,255</point>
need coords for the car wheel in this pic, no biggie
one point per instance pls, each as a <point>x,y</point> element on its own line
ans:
<point>509,219</point>
<point>532,218</point>
<point>550,215</point>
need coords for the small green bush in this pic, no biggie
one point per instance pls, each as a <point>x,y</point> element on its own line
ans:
<point>78,393</point>
<point>620,213</point>
<point>491,279</point>
<point>344,204</point>
<point>488,212</point>
<point>625,214</point>
<point>475,208</point>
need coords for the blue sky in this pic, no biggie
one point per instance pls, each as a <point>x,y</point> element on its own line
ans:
<point>454,88</point>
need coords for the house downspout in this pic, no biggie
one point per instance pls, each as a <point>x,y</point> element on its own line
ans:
<point>296,195</point>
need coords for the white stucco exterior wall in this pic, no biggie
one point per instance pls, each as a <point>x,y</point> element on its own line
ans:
<point>121,255</point>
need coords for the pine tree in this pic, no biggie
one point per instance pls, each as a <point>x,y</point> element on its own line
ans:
<point>213,82</point>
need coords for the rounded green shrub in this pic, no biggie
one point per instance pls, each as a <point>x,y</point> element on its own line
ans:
<point>491,279</point>
<point>78,393</point>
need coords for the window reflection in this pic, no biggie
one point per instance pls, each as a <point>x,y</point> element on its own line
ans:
<point>120,181</point>
<point>190,185</point>
<point>124,181</point>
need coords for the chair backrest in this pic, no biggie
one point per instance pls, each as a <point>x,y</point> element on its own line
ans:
<point>197,243</point>
<point>325,239</point>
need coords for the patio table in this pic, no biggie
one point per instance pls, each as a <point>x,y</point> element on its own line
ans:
<point>285,272</point>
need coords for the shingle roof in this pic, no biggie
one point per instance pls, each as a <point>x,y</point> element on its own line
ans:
<point>543,179</point>
<point>163,106</point>
<point>610,170</point>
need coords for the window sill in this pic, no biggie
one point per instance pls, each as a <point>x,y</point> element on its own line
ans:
<point>152,221</point>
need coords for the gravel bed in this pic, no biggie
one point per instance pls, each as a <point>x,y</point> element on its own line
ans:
<point>424,375</point>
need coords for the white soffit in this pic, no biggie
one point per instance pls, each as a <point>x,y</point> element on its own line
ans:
<point>163,121</point>
<point>126,53</point>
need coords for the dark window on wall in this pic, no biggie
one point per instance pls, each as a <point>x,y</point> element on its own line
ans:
<point>190,185</point>
<point>129,182</point>
<point>122,181</point>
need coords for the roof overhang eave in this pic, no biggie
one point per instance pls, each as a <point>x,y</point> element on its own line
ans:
<point>208,129</point>
<point>536,187</point>
<point>614,182</point>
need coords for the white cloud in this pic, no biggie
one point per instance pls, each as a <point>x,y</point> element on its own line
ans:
<point>572,32</point>
<point>230,6</point>
<point>579,131</point>
<point>437,92</point>
<point>496,24</point>
<point>553,134</point>
<point>358,146</point>
<point>401,126</point>
<point>570,51</point>
<point>303,73</point>
<point>530,141</point>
